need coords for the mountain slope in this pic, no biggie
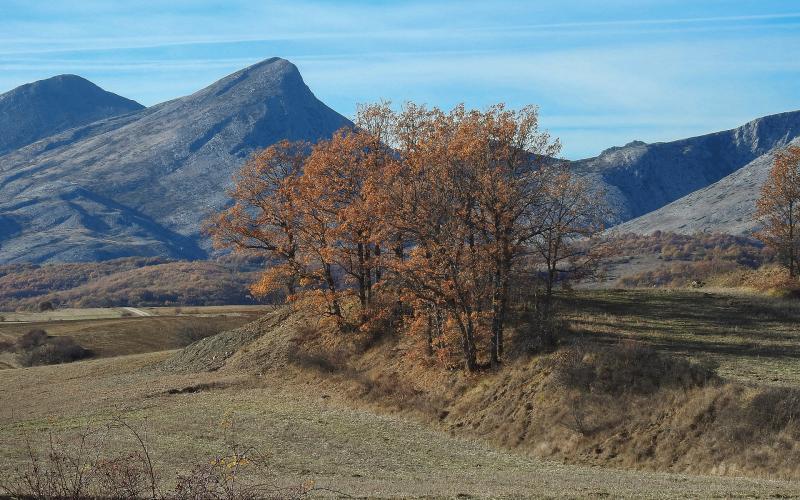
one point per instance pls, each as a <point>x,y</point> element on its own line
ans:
<point>142,183</point>
<point>639,178</point>
<point>46,107</point>
<point>727,206</point>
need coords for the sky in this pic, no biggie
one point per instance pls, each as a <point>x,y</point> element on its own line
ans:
<point>603,73</point>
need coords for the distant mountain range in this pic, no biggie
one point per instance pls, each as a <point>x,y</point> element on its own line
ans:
<point>141,183</point>
<point>640,178</point>
<point>87,175</point>
<point>726,206</point>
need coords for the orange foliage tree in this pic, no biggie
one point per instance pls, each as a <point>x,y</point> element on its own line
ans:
<point>436,209</point>
<point>265,218</point>
<point>778,209</point>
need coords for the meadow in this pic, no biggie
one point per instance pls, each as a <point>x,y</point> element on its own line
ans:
<point>338,422</point>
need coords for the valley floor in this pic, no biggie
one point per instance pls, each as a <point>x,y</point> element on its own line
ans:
<point>309,432</point>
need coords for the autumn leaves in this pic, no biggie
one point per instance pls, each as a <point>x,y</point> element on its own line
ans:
<point>420,217</point>
<point>778,209</point>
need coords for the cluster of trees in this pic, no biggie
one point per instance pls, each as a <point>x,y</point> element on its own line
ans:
<point>778,209</point>
<point>431,216</point>
<point>36,347</point>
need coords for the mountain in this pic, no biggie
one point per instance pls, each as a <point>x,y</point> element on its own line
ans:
<point>639,178</point>
<point>727,206</point>
<point>40,109</point>
<point>141,184</point>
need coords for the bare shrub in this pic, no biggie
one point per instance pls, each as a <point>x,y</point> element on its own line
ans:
<point>46,306</point>
<point>37,348</point>
<point>84,467</point>
<point>627,367</point>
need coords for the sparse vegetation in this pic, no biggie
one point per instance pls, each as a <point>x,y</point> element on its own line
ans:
<point>695,260</point>
<point>128,282</point>
<point>84,468</point>
<point>197,330</point>
<point>37,348</point>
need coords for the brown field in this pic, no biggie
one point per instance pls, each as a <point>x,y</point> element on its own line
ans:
<point>317,420</point>
<point>108,333</point>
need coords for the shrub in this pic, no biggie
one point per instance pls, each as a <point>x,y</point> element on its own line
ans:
<point>628,367</point>
<point>53,350</point>
<point>46,306</point>
<point>33,338</point>
<point>84,467</point>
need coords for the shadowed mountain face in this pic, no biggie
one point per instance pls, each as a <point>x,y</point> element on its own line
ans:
<point>40,109</point>
<point>142,183</point>
<point>727,206</point>
<point>640,178</point>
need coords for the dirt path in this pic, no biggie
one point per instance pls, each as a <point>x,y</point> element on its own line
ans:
<point>137,312</point>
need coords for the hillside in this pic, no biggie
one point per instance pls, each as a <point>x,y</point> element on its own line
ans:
<point>128,282</point>
<point>40,109</point>
<point>142,183</point>
<point>640,178</point>
<point>727,205</point>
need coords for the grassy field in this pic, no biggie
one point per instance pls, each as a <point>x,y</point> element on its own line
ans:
<point>310,435</point>
<point>308,431</point>
<point>752,338</point>
<point>71,314</point>
<point>108,333</point>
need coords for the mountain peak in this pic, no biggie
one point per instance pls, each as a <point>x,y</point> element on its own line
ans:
<point>144,182</point>
<point>270,77</point>
<point>46,107</point>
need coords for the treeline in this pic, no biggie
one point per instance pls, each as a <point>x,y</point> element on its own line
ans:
<point>693,260</point>
<point>135,281</point>
<point>434,220</point>
<point>669,246</point>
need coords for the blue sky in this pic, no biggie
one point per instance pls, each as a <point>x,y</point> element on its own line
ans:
<point>603,72</point>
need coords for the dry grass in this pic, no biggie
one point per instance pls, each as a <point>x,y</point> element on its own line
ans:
<point>130,335</point>
<point>362,415</point>
<point>753,338</point>
<point>311,434</point>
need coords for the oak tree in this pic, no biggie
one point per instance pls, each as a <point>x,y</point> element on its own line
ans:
<point>778,209</point>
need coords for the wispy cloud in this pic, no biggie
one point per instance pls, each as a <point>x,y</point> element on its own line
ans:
<point>603,73</point>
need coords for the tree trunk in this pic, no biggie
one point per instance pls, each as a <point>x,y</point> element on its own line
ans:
<point>334,308</point>
<point>497,315</point>
<point>378,272</point>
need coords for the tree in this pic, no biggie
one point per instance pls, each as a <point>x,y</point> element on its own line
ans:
<point>571,220</point>
<point>512,167</point>
<point>778,209</point>
<point>264,217</point>
<point>465,202</point>
<point>433,210</point>
<point>341,221</point>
